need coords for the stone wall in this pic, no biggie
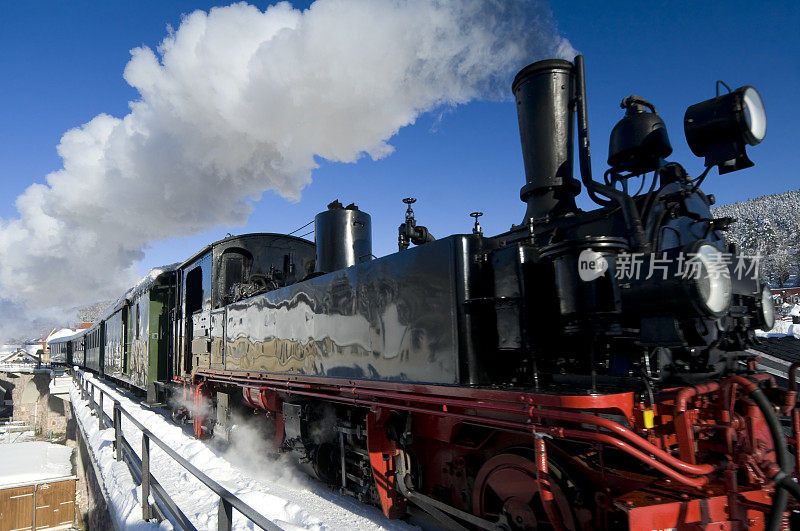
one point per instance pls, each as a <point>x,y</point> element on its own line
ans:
<point>31,402</point>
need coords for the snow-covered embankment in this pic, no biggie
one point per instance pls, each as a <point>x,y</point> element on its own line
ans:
<point>271,486</point>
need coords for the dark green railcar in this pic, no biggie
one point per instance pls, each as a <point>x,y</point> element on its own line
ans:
<point>94,347</point>
<point>114,342</point>
<point>77,346</point>
<point>137,333</point>
<point>60,350</point>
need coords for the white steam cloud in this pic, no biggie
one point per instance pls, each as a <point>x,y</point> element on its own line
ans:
<point>239,101</point>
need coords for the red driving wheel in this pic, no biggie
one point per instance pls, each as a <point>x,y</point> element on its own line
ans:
<point>506,487</point>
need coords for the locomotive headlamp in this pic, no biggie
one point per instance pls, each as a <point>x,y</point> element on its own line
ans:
<point>720,128</point>
<point>689,281</point>
<point>712,282</point>
<point>765,317</point>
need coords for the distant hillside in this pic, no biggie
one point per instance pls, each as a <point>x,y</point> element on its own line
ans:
<point>93,312</point>
<point>768,226</point>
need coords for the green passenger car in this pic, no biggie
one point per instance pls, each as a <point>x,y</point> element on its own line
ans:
<point>77,349</point>
<point>94,347</point>
<point>137,332</point>
<point>61,351</point>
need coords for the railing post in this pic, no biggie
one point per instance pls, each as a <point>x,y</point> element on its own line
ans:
<point>118,430</point>
<point>224,515</point>
<point>147,510</point>
<point>83,388</point>
<point>100,422</point>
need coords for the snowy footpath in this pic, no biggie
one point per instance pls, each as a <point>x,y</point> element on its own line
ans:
<point>273,487</point>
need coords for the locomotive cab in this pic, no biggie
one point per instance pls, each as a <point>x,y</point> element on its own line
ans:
<point>232,269</point>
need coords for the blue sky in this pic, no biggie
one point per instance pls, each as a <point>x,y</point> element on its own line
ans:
<point>63,61</point>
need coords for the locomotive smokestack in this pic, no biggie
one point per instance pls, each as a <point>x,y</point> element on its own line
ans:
<point>544,92</point>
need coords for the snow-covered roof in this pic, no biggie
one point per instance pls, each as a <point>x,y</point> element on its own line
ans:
<point>20,356</point>
<point>6,355</point>
<point>143,285</point>
<point>61,333</point>
<point>68,335</point>
<point>32,462</point>
<point>150,278</point>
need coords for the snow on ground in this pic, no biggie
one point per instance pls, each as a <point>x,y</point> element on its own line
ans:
<point>273,487</point>
<point>29,462</point>
<point>784,327</point>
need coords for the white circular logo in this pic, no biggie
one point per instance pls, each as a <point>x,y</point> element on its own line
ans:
<point>591,265</point>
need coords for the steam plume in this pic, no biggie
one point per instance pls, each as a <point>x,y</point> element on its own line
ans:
<point>238,101</point>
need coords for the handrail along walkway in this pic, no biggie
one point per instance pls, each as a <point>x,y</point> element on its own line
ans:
<point>141,467</point>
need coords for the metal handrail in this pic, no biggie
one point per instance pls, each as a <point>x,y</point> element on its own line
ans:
<point>121,447</point>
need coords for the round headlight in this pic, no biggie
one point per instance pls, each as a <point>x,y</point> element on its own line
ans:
<point>767,309</point>
<point>713,281</point>
<point>683,282</point>
<point>755,116</point>
<point>720,128</point>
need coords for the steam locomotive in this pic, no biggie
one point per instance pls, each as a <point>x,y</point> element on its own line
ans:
<point>584,370</point>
